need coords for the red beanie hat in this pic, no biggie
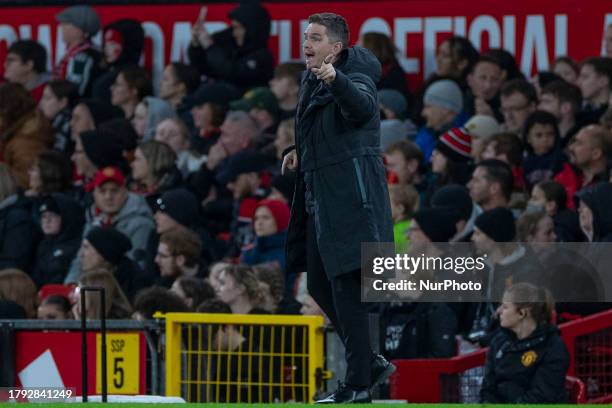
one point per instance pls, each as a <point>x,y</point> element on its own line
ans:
<point>456,144</point>
<point>280,211</point>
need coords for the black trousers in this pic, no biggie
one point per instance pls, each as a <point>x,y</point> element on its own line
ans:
<point>340,299</point>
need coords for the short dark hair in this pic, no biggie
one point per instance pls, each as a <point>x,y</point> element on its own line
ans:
<point>510,145</point>
<point>30,50</point>
<point>138,78</point>
<point>521,86</point>
<point>158,299</point>
<point>186,74</point>
<point>462,48</point>
<point>63,88</point>
<point>489,60</point>
<point>408,149</point>
<point>602,66</point>
<point>568,61</point>
<point>213,306</point>
<point>500,172</point>
<point>290,69</point>
<point>565,93</point>
<point>542,118</point>
<point>554,191</point>
<point>336,25</point>
<point>60,301</point>
<point>196,288</point>
<point>506,61</point>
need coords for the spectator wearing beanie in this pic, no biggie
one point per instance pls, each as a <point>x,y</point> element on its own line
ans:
<point>270,225</point>
<point>394,124</point>
<point>106,248</point>
<point>81,62</point>
<point>114,206</point>
<point>61,221</point>
<point>96,149</point>
<point>282,187</point>
<point>242,60</point>
<point>451,160</point>
<point>88,114</point>
<point>442,107</point>
<point>123,42</point>
<point>262,105</point>
<point>481,128</point>
<point>456,198</point>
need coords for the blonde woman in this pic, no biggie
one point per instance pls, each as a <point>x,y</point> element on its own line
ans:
<point>18,287</point>
<point>117,304</point>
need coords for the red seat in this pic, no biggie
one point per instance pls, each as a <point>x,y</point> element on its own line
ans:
<point>575,390</point>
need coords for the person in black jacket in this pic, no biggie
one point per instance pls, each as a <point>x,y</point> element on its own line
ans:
<point>238,55</point>
<point>527,361</point>
<point>62,221</point>
<point>595,212</point>
<point>341,197</point>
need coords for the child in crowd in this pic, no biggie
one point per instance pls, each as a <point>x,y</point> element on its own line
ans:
<point>404,202</point>
<point>543,157</point>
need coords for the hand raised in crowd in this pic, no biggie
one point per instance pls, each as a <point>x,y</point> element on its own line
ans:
<point>326,72</point>
<point>216,154</point>
<point>199,35</point>
<point>483,108</point>
<point>290,162</point>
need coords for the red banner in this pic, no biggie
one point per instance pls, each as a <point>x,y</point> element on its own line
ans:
<point>535,31</point>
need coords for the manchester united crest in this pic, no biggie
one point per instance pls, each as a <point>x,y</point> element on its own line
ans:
<point>528,358</point>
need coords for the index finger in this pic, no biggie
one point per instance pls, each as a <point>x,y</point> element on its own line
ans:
<point>328,59</point>
<point>203,12</point>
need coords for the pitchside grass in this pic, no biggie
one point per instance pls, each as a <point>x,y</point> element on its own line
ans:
<point>130,405</point>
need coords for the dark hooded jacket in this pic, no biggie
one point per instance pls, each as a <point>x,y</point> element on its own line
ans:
<point>527,371</point>
<point>598,198</point>
<point>56,252</point>
<point>247,66</point>
<point>132,41</point>
<point>19,235</point>
<point>341,180</point>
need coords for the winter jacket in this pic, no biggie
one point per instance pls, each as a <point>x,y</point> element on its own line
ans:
<point>19,235</point>
<point>426,138</point>
<point>23,142</point>
<point>527,371</point>
<point>81,66</point>
<point>266,249</point>
<point>135,220</point>
<point>247,66</point>
<point>342,180</point>
<point>132,41</point>
<point>56,252</point>
<point>567,226</point>
<point>538,168</point>
<point>598,198</point>
<point>572,180</point>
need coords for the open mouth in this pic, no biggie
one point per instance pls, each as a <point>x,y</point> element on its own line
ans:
<point>309,56</point>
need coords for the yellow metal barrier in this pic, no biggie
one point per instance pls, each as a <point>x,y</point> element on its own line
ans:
<point>243,358</point>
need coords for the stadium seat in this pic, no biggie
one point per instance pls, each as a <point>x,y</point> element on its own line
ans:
<point>575,390</point>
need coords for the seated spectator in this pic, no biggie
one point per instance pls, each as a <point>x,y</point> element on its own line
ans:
<point>394,124</point>
<point>261,104</point>
<point>455,58</point>
<point>209,106</point>
<point>567,69</point>
<point>595,82</point>
<point>404,201</point>
<point>588,161</point>
<point>149,113</point>
<point>26,64</point>
<point>485,81</point>
<point>131,85</point>
<point>61,221</point>
<point>286,85</point>
<point>270,225</point>
<point>595,213</point>
<point>178,255</point>
<point>510,69</point>
<point>544,158</point>
<point>457,198</point>
<point>564,101</point>
<point>491,184</point>
<point>95,150</point>
<point>157,299</point>
<point>122,45</point>
<point>383,48</point>
<point>527,361</point>
<point>19,235</point>
<point>16,286</point>
<point>116,302</point>
<point>276,294</point>
<point>443,103</point>
<point>518,100</point>
<point>542,79</point>
<point>451,160</point>
<point>404,162</point>
<point>115,207</point>
<point>107,248</point>
<point>508,148</point>
<point>239,54</point>
<point>481,128</point>
<point>55,307</point>
<point>80,64</point>
<point>192,290</point>
<point>57,101</point>
<point>240,290</point>
<point>88,114</point>
<point>213,274</point>
<point>551,197</point>
<point>538,230</point>
<point>24,131</point>
<point>285,137</point>
<point>177,82</point>
<point>175,134</point>
<point>50,173</point>
<point>154,170</point>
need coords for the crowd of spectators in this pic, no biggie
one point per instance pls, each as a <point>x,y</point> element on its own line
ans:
<point>176,200</point>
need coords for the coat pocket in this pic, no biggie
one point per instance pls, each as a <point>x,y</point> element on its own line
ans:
<point>360,183</point>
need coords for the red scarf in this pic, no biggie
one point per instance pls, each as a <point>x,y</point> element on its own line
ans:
<point>60,73</point>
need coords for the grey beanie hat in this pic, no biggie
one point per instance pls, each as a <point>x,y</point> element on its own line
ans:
<point>446,94</point>
<point>83,17</point>
<point>393,100</point>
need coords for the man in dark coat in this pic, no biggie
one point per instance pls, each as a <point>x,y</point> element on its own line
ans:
<point>341,197</point>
